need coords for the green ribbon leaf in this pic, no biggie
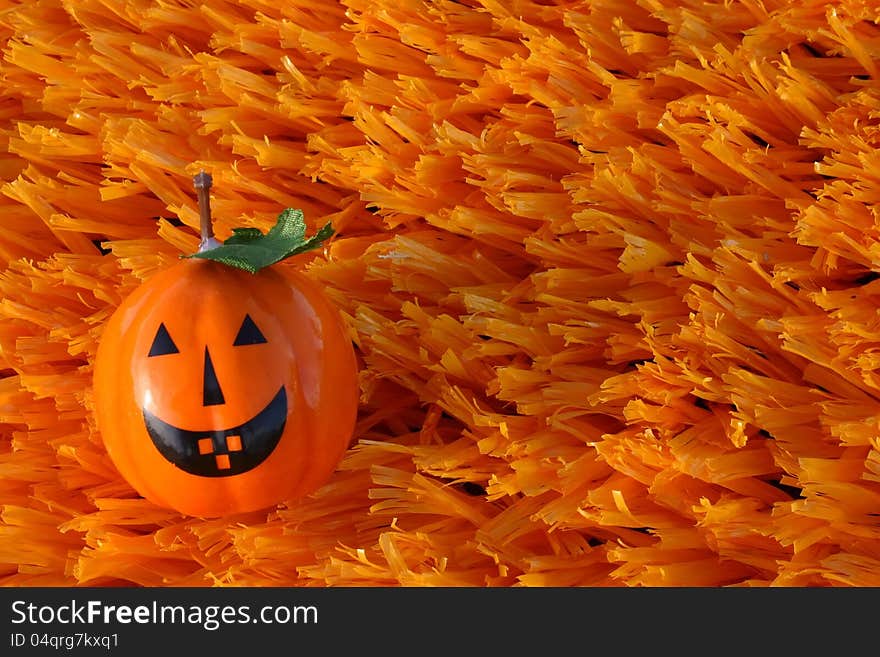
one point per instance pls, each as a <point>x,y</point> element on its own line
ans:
<point>251,250</point>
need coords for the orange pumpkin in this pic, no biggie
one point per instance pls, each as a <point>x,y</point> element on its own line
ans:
<point>219,391</point>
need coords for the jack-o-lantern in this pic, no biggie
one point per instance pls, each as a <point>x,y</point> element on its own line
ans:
<point>220,389</point>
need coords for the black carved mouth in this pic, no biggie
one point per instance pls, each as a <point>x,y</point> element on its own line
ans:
<point>221,452</point>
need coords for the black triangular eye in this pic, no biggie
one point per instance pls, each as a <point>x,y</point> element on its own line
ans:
<point>248,333</point>
<point>162,343</point>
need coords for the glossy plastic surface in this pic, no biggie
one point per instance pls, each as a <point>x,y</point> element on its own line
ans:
<point>219,391</point>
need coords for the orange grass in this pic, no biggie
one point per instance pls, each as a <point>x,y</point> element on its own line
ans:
<point>611,267</point>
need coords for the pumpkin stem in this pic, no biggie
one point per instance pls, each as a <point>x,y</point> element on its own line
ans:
<point>202,182</point>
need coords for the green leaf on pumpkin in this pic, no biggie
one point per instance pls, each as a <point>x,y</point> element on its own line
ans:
<point>251,250</point>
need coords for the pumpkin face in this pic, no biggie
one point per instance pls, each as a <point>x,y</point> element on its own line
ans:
<point>221,391</point>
